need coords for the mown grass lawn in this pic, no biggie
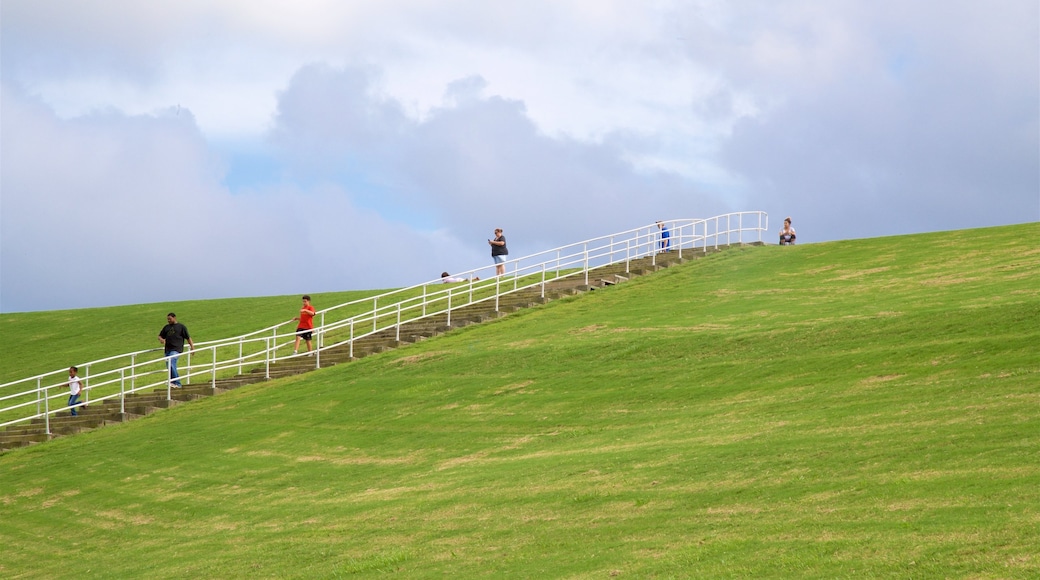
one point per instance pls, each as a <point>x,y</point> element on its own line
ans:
<point>856,409</point>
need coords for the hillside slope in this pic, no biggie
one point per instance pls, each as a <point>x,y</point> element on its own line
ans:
<point>849,409</point>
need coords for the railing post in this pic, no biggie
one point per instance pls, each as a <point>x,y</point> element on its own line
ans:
<point>188,378</point>
<point>628,256</point>
<point>267,358</point>
<point>240,345</point>
<point>321,335</point>
<point>585,261</point>
<point>46,411</point>
<point>86,381</point>
<point>680,240</point>
<point>498,291</point>
<point>653,247</point>
<point>122,390</point>
<point>213,373</point>
<point>397,327</point>
<point>317,350</point>
<point>375,313</point>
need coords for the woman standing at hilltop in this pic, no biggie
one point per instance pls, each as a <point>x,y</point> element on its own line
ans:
<point>499,252</point>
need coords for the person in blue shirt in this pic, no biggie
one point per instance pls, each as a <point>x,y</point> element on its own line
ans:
<point>666,241</point>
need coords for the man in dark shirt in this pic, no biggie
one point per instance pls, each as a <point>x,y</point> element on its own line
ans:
<point>172,337</point>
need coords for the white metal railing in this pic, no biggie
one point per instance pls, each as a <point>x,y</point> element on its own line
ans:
<point>113,378</point>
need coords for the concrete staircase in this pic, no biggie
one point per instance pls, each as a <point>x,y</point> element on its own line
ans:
<point>143,403</point>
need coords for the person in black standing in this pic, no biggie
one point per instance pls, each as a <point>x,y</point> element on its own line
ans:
<point>499,251</point>
<point>172,337</point>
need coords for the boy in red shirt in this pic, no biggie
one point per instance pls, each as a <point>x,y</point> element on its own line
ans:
<point>306,326</point>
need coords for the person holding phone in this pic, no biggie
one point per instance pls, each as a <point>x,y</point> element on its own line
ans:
<point>499,251</point>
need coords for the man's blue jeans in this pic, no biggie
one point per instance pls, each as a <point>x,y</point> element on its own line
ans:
<point>172,364</point>
<point>73,400</point>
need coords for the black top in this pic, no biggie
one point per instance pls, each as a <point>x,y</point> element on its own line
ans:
<point>497,250</point>
<point>175,335</point>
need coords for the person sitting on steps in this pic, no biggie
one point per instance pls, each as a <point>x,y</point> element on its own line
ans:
<point>787,235</point>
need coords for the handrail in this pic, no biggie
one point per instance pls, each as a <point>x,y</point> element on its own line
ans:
<point>343,324</point>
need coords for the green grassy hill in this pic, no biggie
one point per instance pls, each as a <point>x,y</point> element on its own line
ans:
<point>858,409</point>
<point>40,342</point>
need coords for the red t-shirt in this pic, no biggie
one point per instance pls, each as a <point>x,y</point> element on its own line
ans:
<point>307,317</point>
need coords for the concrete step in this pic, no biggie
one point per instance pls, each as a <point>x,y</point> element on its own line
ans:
<point>12,441</point>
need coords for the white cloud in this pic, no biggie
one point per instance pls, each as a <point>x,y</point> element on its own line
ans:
<point>115,209</point>
<point>423,125</point>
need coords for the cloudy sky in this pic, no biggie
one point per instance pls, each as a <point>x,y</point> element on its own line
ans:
<point>157,151</point>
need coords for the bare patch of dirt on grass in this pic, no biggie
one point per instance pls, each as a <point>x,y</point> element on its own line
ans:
<point>518,442</point>
<point>65,494</point>
<point>514,444</point>
<point>947,359</point>
<point>861,273</point>
<point>588,329</point>
<point>707,326</point>
<point>418,358</point>
<point>1022,276</point>
<point>946,280</point>
<point>265,453</point>
<point>1020,561</point>
<point>823,496</point>
<point>732,510</point>
<point>517,388</point>
<point>973,474</point>
<point>33,492</point>
<point>880,379</point>
<point>768,291</point>
<point>411,458</point>
<point>522,343</point>
<point>333,459</point>
<point>906,505</point>
<point>819,270</point>
<point>390,492</point>
<point>119,518</point>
